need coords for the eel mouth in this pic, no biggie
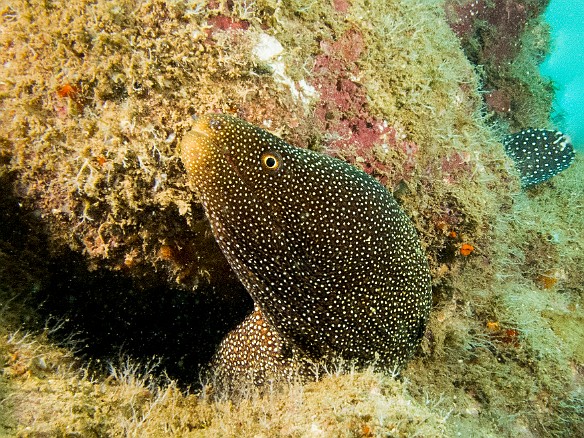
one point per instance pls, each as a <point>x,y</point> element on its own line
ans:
<point>197,146</point>
<point>202,127</point>
<point>206,148</point>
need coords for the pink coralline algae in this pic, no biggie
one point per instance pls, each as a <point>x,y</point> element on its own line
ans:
<point>222,22</point>
<point>341,6</point>
<point>456,166</point>
<point>351,131</point>
<point>370,146</point>
<point>500,23</point>
<point>463,15</point>
<point>498,101</point>
<point>490,32</point>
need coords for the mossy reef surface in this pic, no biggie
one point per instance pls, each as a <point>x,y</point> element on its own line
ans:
<point>114,294</point>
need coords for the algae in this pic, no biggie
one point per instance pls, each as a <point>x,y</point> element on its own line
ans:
<point>94,97</point>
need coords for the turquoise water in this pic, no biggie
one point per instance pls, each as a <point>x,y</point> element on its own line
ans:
<point>565,66</point>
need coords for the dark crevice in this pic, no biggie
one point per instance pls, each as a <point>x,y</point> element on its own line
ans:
<point>102,315</point>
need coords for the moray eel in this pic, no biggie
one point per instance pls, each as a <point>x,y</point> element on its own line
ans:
<point>538,154</point>
<point>334,266</point>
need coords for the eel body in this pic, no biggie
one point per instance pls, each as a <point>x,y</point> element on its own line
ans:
<point>334,266</point>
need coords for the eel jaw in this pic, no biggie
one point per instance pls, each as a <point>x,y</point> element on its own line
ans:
<point>197,147</point>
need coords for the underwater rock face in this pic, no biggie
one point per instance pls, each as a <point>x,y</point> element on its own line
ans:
<point>334,266</point>
<point>539,154</point>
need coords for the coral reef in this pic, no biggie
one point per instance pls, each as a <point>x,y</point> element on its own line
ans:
<point>508,40</point>
<point>125,95</point>
<point>353,133</point>
<point>104,251</point>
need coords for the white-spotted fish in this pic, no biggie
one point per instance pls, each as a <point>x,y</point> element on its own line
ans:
<point>334,266</point>
<point>538,154</point>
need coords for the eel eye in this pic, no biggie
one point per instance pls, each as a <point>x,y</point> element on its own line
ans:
<point>271,160</point>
